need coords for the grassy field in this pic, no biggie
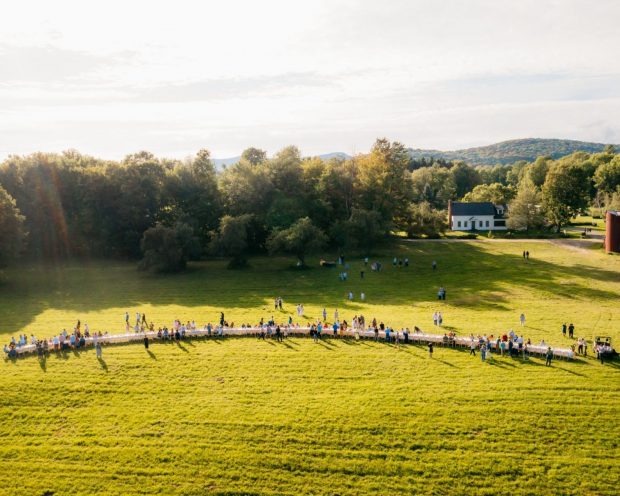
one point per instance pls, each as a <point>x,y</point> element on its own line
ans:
<point>339,417</point>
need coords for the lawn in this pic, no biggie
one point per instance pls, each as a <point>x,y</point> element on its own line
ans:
<point>239,416</point>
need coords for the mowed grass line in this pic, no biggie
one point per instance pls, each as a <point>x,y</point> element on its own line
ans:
<point>243,416</point>
<point>240,416</point>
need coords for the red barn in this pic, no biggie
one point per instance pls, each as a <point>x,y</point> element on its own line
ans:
<point>612,235</point>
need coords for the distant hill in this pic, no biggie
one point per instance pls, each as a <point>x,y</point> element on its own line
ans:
<point>225,162</point>
<point>511,151</point>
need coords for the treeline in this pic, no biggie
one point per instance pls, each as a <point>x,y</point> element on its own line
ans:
<point>166,212</point>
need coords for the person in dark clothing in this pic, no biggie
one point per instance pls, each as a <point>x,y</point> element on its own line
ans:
<point>221,318</point>
<point>430,349</point>
<point>564,329</point>
<point>527,255</point>
<point>571,330</point>
<point>548,356</point>
<point>278,334</point>
<point>146,342</point>
<point>361,274</point>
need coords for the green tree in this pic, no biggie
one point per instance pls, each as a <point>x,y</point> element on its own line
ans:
<point>465,178</point>
<point>383,180</point>
<point>231,239</point>
<point>423,219</point>
<point>433,184</point>
<point>300,239</point>
<point>495,193</point>
<point>166,249</point>
<point>607,175</point>
<point>254,156</point>
<point>364,229</point>
<point>565,192</point>
<point>12,232</point>
<point>537,171</point>
<point>525,211</point>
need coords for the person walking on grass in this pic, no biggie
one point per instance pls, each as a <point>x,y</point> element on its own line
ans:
<point>434,265</point>
<point>564,330</point>
<point>324,315</point>
<point>483,353</point>
<point>146,342</point>
<point>430,349</point>
<point>472,347</point>
<point>522,319</point>
<point>571,330</point>
<point>548,357</point>
<point>98,349</point>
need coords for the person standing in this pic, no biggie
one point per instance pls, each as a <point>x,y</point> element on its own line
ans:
<point>548,357</point>
<point>571,330</point>
<point>363,296</point>
<point>435,319</point>
<point>336,315</point>
<point>324,315</point>
<point>527,255</point>
<point>564,330</point>
<point>146,342</point>
<point>365,261</point>
<point>472,347</point>
<point>522,319</point>
<point>434,265</point>
<point>361,274</point>
<point>98,349</point>
<point>439,319</point>
<point>430,349</point>
<point>483,353</point>
<point>126,317</point>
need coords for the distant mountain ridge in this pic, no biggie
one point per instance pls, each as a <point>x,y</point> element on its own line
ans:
<point>225,162</point>
<point>507,152</point>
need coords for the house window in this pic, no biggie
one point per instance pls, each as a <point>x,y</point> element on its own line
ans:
<point>458,223</point>
<point>464,223</point>
<point>500,223</point>
<point>487,224</point>
<point>480,224</point>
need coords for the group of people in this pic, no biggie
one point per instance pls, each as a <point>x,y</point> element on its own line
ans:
<point>441,293</point>
<point>509,343</point>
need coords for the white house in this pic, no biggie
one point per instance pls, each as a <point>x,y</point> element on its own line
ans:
<point>478,216</point>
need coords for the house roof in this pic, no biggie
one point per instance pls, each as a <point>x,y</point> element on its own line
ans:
<point>474,208</point>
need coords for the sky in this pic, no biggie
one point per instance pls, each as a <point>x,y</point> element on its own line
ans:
<point>111,77</point>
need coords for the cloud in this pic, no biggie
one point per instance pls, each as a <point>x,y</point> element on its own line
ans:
<point>49,64</point>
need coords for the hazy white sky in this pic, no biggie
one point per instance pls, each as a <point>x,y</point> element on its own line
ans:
<point>114,77</point>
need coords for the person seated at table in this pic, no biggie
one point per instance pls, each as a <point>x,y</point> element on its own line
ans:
<point>445,339</point>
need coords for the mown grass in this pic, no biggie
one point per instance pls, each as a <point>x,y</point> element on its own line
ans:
<point>240,416</point>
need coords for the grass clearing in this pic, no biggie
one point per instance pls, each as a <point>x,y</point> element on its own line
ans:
<point>339,417</point>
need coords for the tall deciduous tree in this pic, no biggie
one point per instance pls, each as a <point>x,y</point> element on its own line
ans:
<point>383,180</point>
<point>12,232</point>
<point>231,239</point>
<point>496,193</point>
<point>565,192</point>
<point>525,211</point>
<point>254,156</point>
<point>300,239</point>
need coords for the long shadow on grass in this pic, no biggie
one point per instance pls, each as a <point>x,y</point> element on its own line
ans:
<point>102,363</point>
<point>472,273</point>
